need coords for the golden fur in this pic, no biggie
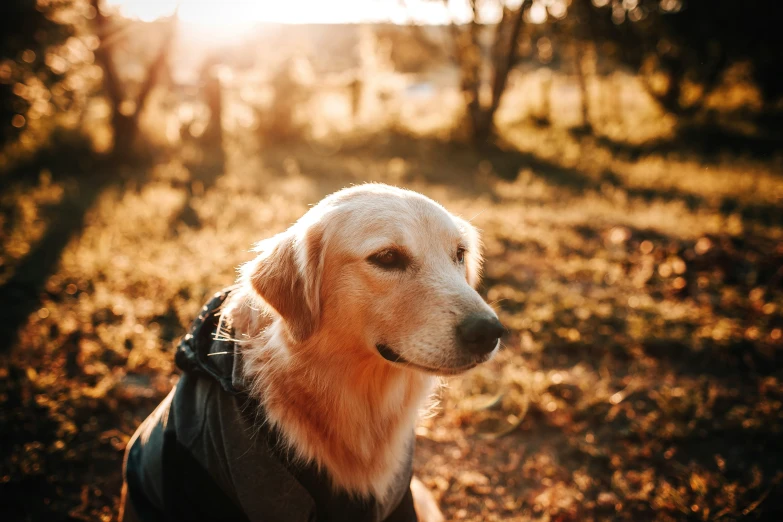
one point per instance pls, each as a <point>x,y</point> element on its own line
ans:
<point>311,309</point>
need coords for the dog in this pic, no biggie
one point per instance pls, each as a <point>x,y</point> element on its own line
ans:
<point>303,383</point>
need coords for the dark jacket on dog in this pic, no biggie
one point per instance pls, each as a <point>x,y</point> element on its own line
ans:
<point>206,452</point>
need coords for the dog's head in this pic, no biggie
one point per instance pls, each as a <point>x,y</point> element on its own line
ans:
<point>385,269</point>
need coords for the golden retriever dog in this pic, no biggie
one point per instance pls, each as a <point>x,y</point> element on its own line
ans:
<point>337,333</point>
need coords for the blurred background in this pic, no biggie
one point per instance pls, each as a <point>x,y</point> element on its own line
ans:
<point>622,157</point>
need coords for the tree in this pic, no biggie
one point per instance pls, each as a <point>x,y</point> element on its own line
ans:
<point>126,109</point>
<point>691,43</point>
<point>28,29</point>
<point>680,49</point>
<point>469,55</point>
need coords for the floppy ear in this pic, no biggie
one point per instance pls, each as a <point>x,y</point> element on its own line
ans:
<point>286,275</point>
<point>474,258</point>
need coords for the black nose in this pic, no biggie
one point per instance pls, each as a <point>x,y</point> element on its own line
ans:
<point>479,333</point>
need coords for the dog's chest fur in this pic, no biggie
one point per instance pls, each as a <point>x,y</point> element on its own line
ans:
<point>345,412</point>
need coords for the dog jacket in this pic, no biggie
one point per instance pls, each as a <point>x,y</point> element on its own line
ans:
<point>206,452</point>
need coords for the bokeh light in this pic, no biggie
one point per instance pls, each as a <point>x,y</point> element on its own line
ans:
<point>621,158</point>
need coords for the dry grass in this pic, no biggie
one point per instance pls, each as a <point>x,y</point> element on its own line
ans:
<point>641,375</point>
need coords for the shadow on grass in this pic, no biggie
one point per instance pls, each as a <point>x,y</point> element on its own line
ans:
<point>706,142</point>
<point>75,167</point>
<point>53,479</point>
<point>84,176</point>
<point>461,167</point>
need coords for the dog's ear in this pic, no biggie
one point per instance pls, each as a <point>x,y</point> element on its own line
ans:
<point>474,258</point>
<point>286,275</point>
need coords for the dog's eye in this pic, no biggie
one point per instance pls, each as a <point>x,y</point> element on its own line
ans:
<point>460,255</point>
<point>389,260</point>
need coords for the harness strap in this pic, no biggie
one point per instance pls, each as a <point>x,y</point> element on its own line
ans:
<point>193,350</point>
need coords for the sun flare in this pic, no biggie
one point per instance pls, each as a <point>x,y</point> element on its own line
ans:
<point>240,12</point>
<point>233,17</point>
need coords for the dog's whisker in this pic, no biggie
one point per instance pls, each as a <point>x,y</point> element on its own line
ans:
<point>477,215</point>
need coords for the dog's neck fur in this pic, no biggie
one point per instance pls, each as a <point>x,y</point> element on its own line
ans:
<point>335,403</point>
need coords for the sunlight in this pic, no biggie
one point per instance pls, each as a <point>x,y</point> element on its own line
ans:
<point>232,18</point>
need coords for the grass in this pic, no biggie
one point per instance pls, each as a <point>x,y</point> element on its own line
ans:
<point>641,372</point>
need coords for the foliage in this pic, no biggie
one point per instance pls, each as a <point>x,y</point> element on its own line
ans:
<point>29,30</point>
<point>692,42</point>
<point>468,53</point>
<point>126,109</point>
<point>637,269</point>
<point>684,50</point>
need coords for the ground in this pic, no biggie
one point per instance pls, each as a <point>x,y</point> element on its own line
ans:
<point>640,377</point>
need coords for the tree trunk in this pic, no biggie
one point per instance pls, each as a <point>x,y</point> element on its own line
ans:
<point>483,128</point>
<point>545,106</point>
<point>125,127</point>
<point>125,130</point>
<point>670,99</point>
<point>468,55</point>
<point>471,73</point>
<point>504,57</point>
<point>213,97</point>
<point>581,77</point>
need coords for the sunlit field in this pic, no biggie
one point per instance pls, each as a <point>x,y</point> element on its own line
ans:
<point>641,287</point>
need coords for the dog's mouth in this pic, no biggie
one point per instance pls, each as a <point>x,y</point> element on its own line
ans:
<point>393,357</point>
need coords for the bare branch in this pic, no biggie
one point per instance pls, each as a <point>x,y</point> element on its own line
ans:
<point>111,79</point>
<point>503,67</point>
